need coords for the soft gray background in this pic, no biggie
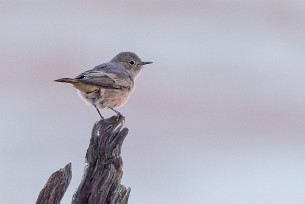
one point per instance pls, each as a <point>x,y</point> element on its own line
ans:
<point>218,118</point>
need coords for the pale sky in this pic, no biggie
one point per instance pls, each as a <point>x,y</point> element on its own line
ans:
<point>218,118</point>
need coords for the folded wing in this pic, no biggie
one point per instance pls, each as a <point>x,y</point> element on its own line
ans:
<point>106,76</point>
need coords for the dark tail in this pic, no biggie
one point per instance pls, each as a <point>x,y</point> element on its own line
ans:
<point>66,80</point>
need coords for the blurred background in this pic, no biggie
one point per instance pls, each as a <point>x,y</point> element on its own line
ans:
<point>218,118</point>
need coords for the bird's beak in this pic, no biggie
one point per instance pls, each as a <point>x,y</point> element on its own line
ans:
<point>144,63</point>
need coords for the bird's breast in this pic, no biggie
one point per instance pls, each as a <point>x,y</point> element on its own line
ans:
<point>113,98</point>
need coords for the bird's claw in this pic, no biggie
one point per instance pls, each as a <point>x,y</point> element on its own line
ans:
<point>120,117</point>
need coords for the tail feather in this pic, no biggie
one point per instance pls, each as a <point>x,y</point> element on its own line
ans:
<point>66,80</point>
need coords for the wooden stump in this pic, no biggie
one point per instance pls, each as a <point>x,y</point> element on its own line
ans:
<point>103,171</point>
<point>56,186</point>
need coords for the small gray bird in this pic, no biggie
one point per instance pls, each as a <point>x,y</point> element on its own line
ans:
<point>110,84</point>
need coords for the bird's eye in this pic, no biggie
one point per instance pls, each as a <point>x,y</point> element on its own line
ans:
<point>131,62</point>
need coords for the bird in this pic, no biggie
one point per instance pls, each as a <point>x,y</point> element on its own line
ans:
<point>108,85</point>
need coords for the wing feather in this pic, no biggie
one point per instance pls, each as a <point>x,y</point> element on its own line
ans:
<point>106,75</point>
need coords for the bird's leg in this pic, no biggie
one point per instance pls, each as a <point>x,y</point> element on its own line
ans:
<point>117,112</point>
<point>99,113</point>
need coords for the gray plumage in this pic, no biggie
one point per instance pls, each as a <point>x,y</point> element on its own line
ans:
<point>110,84</point>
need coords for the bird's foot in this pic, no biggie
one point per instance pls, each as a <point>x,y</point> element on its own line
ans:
<point>119,115</point>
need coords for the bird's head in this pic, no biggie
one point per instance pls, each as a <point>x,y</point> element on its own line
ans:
<point>131,62</point>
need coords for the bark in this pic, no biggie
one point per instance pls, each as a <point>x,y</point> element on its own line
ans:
<point>103,170</point>
<point>56,186</point>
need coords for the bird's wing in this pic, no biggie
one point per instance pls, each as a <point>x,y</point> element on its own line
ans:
<point>107,76</point>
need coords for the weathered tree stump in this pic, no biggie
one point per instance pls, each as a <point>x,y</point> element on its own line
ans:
<point>103,172</point>
<point>56,186</point>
